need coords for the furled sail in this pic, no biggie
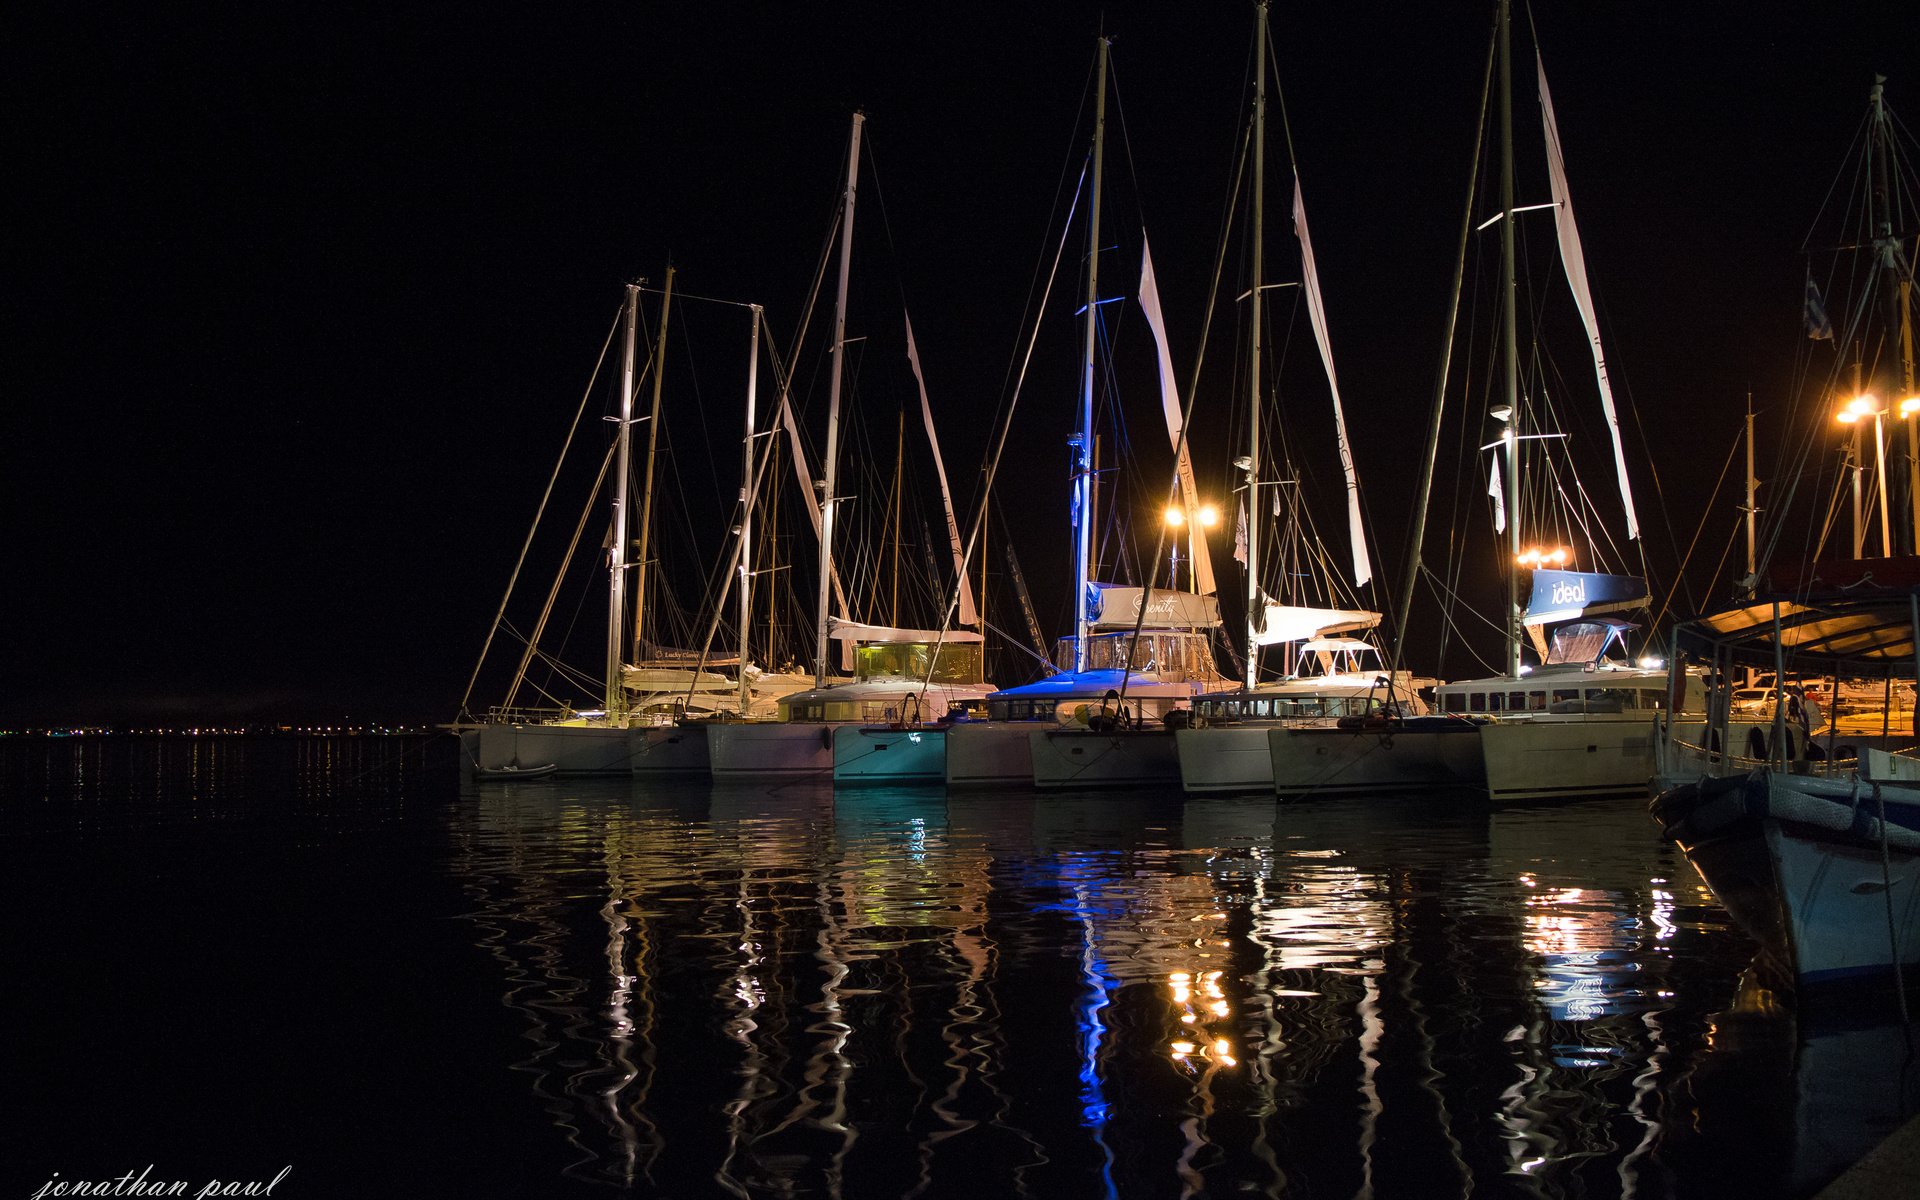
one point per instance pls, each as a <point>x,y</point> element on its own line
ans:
<point>803,471</point>
<point>1317,313</point>
<point>1295,623</point>
<point>967,614</point>
<point>1576,266</point>
<point>1170,401</point>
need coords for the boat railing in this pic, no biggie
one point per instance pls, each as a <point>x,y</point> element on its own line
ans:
<point>503,715</point>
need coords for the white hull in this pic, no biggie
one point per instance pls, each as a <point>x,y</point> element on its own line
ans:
<point>1575,757</point>
<point>1224,758</point>
<point>1835,899</point>
<point>869,754</point>
<point>572,749</point>
<point>770,750</point>
<point>1799,861</point>
<point>670,750</point>
<point>1323,760</point>
<point>990,754</point>
<point>1085,758</point>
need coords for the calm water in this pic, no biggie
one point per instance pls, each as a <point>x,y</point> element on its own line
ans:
<point>232,956</point>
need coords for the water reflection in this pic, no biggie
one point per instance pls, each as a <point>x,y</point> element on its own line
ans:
<point>773,992</point>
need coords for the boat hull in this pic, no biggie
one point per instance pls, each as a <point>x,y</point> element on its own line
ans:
<point>770,750</point>
<point>1121,758</point>
<point>990,754</point>
<point>1549,758</point>
<point>671,750</point>
<point>1427,754</point>
<point>886,755</point>
<point>1800,865</point>
<point>572,749</point>
<point>1220,759</point>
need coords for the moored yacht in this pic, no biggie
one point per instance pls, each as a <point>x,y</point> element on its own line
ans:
<point>901,676</point>
<point>1101,725</point>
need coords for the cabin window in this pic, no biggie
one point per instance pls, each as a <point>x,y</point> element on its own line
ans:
<point>1561,695</point>
<point>958,662</point>
<point>1453,702</point>
<point>1536,701</point>
<point>1516,702</point>
<point>1490,702</point>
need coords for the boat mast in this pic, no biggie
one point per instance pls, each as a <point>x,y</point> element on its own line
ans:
<point>646,496</point>
<point>1752,510</point>
<point>748,497</point>
<point>1256,610</point>
<point>1895,293</point>
<point>1512,337</point>
<point>1084,450</point>
<point>617,558</point>
<point>828,500</point>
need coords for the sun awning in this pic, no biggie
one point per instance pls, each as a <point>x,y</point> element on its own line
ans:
<point>854,631</point>
<point>1853,618</point>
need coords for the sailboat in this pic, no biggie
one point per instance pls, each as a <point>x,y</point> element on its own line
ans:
<point>1810,835</point>
<point>900,675</point>
<point>1135,654</point>
<point>1576,725</point>
<point>1223,748</point>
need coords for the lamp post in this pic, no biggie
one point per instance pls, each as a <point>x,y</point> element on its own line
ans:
<point>1206,516</point>
<point>1868,405</point>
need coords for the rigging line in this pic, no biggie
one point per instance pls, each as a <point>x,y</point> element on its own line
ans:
<point>559,579</point>
<point>540,511</point>
<point>1681,571</point>
<point>1006,426</point>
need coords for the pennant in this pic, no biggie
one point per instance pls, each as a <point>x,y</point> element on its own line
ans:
<point>1240,533</point>
<point>1499,495</point>
<point>1170,402</point>
<point>1818,327</point>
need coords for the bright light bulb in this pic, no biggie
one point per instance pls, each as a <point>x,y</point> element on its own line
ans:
<point>1210,515</point>
<point>1175,517</point>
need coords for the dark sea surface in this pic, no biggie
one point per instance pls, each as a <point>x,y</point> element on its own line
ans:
<point>228,956</point>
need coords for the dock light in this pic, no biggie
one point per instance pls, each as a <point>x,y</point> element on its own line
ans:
<point>1559,556</point>
<point>1910,406</point>
<point>1210,514</point>
<point>1652,662</point>
<point>1175,517</point>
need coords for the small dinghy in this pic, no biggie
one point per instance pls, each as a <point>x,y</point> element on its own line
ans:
<point>513,772</point>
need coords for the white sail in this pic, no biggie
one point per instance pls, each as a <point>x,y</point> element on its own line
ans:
<point>1295,623</point>
<point>967,614</point>
<point>1170,401</point>
<point>1576,266</point>
<point>803,471</point>
<point>1317,313</point>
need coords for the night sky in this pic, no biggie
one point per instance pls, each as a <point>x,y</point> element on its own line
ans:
<point>302,298</point>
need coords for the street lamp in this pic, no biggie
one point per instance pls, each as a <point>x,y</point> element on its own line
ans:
<point>1206,516</point>
<point>1868,405</point>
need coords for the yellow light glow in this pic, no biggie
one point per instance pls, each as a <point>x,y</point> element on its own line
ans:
<point>1184,1047</point>
<point>1864,405</point>
<point>1175,517</point>
<point>1910,406</point>
<point>1210,514</point>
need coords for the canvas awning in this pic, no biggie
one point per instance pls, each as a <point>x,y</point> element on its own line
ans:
<point>854,631</point>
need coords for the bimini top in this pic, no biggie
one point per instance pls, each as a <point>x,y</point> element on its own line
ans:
<point>1857,617</point>
<point>854,631</point>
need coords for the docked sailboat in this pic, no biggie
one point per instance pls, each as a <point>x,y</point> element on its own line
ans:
<point>1577,725</point>
<point>900,675</point>
<point>1809,831</point>
<point>1136,654</point>
<point>1224,747</point>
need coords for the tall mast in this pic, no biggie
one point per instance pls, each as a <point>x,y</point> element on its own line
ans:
<point>828,501</point>
<point>1083,481</point>
<point>653,443</point>
<point>1753,563</point>
<point>1894,296</point>
<point>1512,348</point>
<point>748,498</point>
<point>614,702</point>
<point>1255,609</point>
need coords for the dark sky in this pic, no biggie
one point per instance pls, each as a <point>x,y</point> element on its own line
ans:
<point>302,298</point>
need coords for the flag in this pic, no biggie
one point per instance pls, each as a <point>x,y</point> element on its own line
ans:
<point>1240,532</point>
<point>1818,327</point>
<point>1499,495</point>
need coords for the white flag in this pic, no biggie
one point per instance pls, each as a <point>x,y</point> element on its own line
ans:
<point>1499,495</point>
<point>1240,532</point>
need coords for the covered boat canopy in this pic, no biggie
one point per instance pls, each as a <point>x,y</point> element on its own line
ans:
<point>1855,619</point>
<point>1110,606</point>
<point>1564,595</point>
<point>1293,623</point>
<point>854,631</point>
